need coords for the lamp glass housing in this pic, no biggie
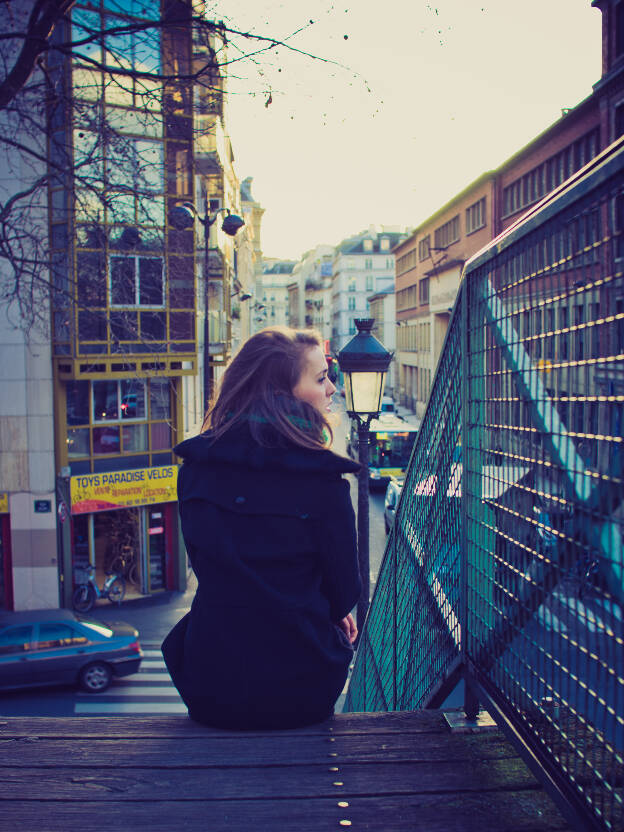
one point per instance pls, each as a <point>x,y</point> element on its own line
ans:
<point>363,391</point>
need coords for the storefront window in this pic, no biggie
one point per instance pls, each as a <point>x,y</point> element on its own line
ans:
<point>119,416</point>
<point>114,400</point>
<point>161,436</point>
<point>160,399</point>
<point>106,440</point>
<point>105,401</point>
<point>78,403</point>
<point>134,438</point>
<point>132,393</point>
<point>78,442</point>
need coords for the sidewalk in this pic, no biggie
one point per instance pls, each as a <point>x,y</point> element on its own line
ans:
<point>408,415</point>
<point>152,615</point>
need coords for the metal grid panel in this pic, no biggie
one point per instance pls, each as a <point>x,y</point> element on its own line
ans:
<point>543,485</point>
<point>411,638</point>
<point>534,501</point>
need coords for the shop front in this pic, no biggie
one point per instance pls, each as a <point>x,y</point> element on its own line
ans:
<point>126,522</point>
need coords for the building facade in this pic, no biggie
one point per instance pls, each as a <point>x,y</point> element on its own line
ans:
<point>382,307</point>
<point>429,263</point>
<point>272,307</point>
<point>428,269</point>
<point>310,291</point>
<point>363,265</point>
<point>140,315</point>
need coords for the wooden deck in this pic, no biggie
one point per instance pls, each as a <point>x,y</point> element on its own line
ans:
<point>381,772</point>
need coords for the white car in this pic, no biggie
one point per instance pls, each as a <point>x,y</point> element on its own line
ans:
<point>393,492</point>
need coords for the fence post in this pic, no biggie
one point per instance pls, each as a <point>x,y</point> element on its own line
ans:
<point>464,436</point>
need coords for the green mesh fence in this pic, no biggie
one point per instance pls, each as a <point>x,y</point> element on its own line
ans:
<point>506,560</point>
<point>411,640</point>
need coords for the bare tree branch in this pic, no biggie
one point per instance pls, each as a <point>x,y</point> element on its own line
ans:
<point>44,17</point>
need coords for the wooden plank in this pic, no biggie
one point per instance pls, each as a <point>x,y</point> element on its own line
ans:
<point>144,783</point>
<point>178,725</point>
<point>525,811</point>
<point>243,750</point>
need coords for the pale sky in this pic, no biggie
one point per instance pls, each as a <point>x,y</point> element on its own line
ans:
<point>421,99</point>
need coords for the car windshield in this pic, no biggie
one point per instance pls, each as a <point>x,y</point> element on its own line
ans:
<point>100,629</point>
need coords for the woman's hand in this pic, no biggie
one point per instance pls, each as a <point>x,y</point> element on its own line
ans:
<point>347,625</point>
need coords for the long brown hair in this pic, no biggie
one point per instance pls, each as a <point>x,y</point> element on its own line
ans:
<point>257,387</point>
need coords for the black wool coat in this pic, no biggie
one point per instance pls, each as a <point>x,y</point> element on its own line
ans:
<point>271,536</point>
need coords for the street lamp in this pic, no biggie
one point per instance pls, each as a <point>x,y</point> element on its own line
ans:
<point>182,217</point>
<point>364,361</point>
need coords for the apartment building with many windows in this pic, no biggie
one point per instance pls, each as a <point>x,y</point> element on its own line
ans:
<point>430,261</point>
<point>140,306</point>
<point>428,269</point>
<point>363,265</point>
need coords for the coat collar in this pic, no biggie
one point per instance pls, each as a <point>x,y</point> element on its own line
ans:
<point>238,447</point>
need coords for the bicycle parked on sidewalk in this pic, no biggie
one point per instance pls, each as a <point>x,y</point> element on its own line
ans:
<point>86,594</point>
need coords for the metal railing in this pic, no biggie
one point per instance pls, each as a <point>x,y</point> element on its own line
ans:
<point>505,564</point>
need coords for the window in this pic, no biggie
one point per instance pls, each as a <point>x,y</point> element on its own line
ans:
<point>160,398</point>
<point>54,634</point>
<point>368,245</point>
<point>424,247</point>
<point>539,181</point>
<point>619,29</point>
<point>368,263</point>
<point>117,400</point>
<point>78,403</point>
<point>114,416</point>
<point>404,263</point>
<point>16,640</point>
<point>351,305</point>
<point>619,226</point>
<point>564,336</point>
<point>475,216</point>
<point>423,291</point>
<point>136,281</point>
<point>618,122</point>
<point>352,284</point>
<point>370,283</point>
<point>118,48</point>
<point>447,234</point>
<point>384,244</point>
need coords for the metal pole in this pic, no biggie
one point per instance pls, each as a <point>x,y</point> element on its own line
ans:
<point>207,222</point>
<point>363,525</point>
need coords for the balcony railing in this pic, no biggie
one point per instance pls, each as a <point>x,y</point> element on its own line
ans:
<point>505,565</point>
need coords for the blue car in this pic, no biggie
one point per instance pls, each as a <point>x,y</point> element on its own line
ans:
<point>55,647</point>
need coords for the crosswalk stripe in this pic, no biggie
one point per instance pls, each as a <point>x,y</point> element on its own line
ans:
<point>148,691</point>
<point>150,677</point>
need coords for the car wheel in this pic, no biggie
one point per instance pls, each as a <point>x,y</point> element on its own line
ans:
<point>95,677</point>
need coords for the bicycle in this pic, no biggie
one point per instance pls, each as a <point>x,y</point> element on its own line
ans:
<point>125,565</point>
<point>86,594</point>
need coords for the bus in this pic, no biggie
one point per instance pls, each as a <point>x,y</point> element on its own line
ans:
<point>391,443</point>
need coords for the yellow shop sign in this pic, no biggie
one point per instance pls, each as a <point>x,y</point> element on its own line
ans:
<point>4,502</point>
<point>122,489</point>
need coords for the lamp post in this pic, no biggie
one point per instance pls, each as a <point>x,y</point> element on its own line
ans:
<point>364,361</point>
<point>182,217</point>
